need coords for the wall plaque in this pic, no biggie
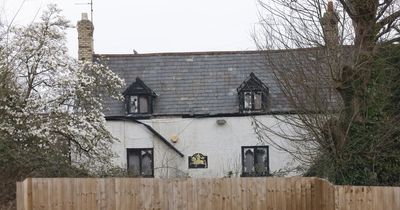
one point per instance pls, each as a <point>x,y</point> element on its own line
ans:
<point>198,160</point>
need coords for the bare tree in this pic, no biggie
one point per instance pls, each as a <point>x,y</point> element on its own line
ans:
<point>339,83</point>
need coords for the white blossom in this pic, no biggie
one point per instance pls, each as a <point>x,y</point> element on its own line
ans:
<point>56,100</point>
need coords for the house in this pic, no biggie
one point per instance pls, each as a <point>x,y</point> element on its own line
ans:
<point>191,114</point>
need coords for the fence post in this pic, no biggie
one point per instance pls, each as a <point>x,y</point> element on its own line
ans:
<point>24,194</point>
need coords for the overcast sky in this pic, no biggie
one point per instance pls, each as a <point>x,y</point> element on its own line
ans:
<point>153,25</point>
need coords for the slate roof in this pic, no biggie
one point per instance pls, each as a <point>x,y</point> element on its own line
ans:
<point>201,83</point>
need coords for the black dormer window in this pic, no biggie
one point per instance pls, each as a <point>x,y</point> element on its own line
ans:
<point>252,95</point>
<point>139,98</point>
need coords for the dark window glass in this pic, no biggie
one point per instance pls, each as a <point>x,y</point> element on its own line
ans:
<point>252,101</point>
<point>248,160</point>
<point>144,105</point>
<point>255,161</point>
<point>138,104</point>
<point>247,100</point>
<point>140,162</point>
<point>257,101</point>
<point>261,160</point>
<point>134,162</point>
<point>147,163</point>
<point>133,104</point>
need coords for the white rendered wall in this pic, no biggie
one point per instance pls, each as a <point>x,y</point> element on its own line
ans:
<point>220,143</point>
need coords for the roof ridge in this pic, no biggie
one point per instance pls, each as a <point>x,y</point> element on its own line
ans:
<point>205,52</point>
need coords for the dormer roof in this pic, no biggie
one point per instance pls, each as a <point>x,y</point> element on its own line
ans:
<point>252,83</point>
<point>138,87</point>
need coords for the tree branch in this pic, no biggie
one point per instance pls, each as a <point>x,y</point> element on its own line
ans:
<point>389,19</point>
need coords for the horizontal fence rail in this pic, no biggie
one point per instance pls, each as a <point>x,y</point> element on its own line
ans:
<point>270,193</point>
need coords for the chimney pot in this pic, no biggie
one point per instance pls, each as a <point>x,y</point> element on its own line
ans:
<point>330,6</point>
<point>84,16</point>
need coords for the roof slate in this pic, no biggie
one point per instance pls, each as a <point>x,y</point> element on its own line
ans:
<point>200,83</point>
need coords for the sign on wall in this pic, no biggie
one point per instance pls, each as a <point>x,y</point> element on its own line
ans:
<point>198,160</point>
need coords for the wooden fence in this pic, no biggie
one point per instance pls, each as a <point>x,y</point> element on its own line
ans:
<point>200,194</point>
<point>367,198</point>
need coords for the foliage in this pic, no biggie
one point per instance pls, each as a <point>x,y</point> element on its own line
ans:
<point>51,121</point>
<point>344,86</point>
<point>370,156</point>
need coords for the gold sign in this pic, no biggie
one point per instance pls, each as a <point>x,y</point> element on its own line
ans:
<point>198,160</point>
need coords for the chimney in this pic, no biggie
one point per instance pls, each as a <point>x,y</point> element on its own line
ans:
<point>85,39</point>
<point>329,23</point>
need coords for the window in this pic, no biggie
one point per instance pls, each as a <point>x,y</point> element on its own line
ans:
<point>252,101</point>
<point>139,98</point>
<point>255,161</point>
<point>253,95</point>
<point>138,104</point>
<point>140,162</point>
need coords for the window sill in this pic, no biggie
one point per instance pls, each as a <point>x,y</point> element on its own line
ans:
<point>250,111</point>
<point>255,174</point>
<point>140,115</point>
<point>132,176</point>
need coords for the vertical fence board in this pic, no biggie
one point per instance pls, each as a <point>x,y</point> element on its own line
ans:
<point>191,190</point>
<point>20,196</point>
<point>235,193</point>
<point>292,193</point>
<point>184,194</point>
<point>270,194</point>
<point>210,189</point>
<point>298,203</point>
<point>35,192</point>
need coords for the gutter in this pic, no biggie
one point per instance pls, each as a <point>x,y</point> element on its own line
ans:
<point>151,129</point>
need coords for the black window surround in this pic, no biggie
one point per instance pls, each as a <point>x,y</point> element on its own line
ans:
<point>136,165</point>
<point>255,161</point>
<point>253,95</point>
<point>139,98</point>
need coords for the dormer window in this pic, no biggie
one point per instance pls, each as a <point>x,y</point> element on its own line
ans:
<point>252,95</point>
<point>139,98</point>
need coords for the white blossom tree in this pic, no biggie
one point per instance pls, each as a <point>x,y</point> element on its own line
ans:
<point>51,120</point>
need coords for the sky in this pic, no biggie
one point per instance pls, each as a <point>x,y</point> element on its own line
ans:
<point>149,26</point>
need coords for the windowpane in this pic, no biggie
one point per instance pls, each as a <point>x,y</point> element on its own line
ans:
<point>261,160</point>
<point>247,100</point>
<point>134,162</point>
<point>248,161</point>
<point>257,101</point>
<point>133,104</point>
<point>147,165</point>
<point>144,106</point>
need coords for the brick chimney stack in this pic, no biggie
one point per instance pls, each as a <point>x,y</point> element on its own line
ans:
<point>329,24</point>
<point>85,39</point>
